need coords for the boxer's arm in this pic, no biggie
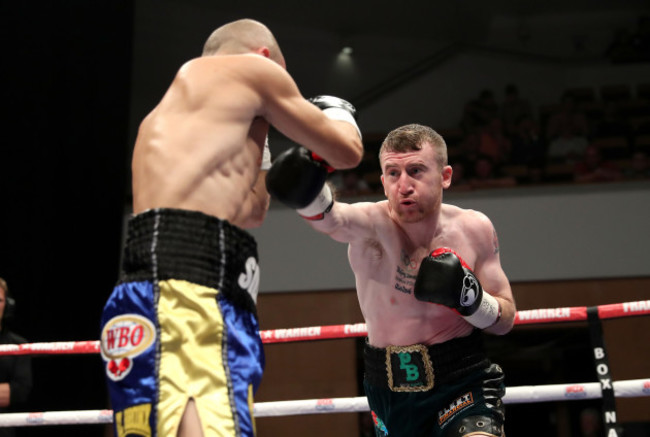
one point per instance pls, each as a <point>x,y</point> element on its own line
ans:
<point>298,179</point>
<point>480,294</point>
<point>336,141</point>
<point>347,223</point>
<point>489,271</point>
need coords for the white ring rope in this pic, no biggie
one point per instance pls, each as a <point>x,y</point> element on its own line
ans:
<point>514,395</point>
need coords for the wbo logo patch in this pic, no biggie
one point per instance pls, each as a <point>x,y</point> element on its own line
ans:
<point>123,338</point>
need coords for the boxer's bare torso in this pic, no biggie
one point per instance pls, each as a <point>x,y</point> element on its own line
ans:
<point>387,241</point>
<point>385,267</point>
<point>201,147</point>
<point>198,149</point>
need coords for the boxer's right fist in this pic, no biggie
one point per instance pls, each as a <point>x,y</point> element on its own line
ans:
<point>336,108</point>
<point>445,279</point>
<point>298,178</point>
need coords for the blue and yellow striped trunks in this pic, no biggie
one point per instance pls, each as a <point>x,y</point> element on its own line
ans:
<point>181,324</point>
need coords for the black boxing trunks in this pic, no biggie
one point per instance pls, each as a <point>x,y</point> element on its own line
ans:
<point>181,324</point>
<point>447,389</point>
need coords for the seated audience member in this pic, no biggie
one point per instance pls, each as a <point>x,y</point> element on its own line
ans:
<point>527,144</point>
<point>469,147</point>
<point>590,424</point>
<point>567,132</point>
<point>493,142</point>
<point>350,183</point>
<point>459,177</point>
<point>15,370</point>
<point>485,175</point>
<point>513,109</point>
<point>479,111</point>
<point>592,168</point>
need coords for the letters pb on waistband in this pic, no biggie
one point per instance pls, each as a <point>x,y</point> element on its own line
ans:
<point>409,368</point>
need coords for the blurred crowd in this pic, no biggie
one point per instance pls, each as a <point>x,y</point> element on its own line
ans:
<point>590,134</point>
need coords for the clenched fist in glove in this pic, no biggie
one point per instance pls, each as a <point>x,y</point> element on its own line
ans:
<point>298,178</point>
<point>445,279</point>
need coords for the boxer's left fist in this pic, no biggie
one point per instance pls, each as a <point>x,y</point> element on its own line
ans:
<point>298,178</point>
<point>445,279</point>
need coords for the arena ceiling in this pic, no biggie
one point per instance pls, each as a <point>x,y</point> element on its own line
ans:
<point>392,42</point>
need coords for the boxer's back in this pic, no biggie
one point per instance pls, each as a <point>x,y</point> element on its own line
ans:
<point>200,148</point>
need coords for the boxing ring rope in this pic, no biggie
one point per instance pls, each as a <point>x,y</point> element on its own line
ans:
<point>514,395</point>
<point>526,317</point>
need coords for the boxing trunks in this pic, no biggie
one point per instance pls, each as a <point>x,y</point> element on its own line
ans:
<point>181,324</point>
<point>448,389</point>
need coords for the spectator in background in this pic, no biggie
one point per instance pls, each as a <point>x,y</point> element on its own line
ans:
<point>514,108</point>
<point>527,145</point>
<point>460,176</point>
<point>486,175</point>
<point>469,146</point>
<point>592,168</point>
<point>350,183</point>
<point>567,132</point>
<point>15,370</point>
<point>479,111</point>
<point>590,423</point>
<point>493,143</point>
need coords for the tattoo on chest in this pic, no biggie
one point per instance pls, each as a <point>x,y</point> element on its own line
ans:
<point>405,274</point>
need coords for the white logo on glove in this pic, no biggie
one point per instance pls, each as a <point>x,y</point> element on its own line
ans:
<point>470,291</point>
<point>250,279</point>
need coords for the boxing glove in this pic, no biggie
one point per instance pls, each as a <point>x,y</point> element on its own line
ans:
<point>298,178</point>
<point>337,109</point>
<point>445,279</point>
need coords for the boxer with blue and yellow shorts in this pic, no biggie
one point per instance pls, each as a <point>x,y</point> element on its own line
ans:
<point>181,324</point>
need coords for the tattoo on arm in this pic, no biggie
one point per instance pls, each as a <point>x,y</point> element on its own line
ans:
<point>495,241</point>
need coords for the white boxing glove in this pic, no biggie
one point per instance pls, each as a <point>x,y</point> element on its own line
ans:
<point>336,108</point>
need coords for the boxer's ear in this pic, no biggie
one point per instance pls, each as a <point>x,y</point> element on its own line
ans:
<point>264,51</point>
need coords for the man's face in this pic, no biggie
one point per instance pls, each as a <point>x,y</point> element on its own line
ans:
<point>413,183</point>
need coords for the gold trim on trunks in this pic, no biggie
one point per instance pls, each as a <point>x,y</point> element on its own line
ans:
<point>426,362</point>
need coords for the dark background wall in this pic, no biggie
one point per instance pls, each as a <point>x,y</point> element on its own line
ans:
<point>65,93</point>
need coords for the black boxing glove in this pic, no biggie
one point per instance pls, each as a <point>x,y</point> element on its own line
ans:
<point>336,108</point>
<point>445,279</point>
<point>298,178</point>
